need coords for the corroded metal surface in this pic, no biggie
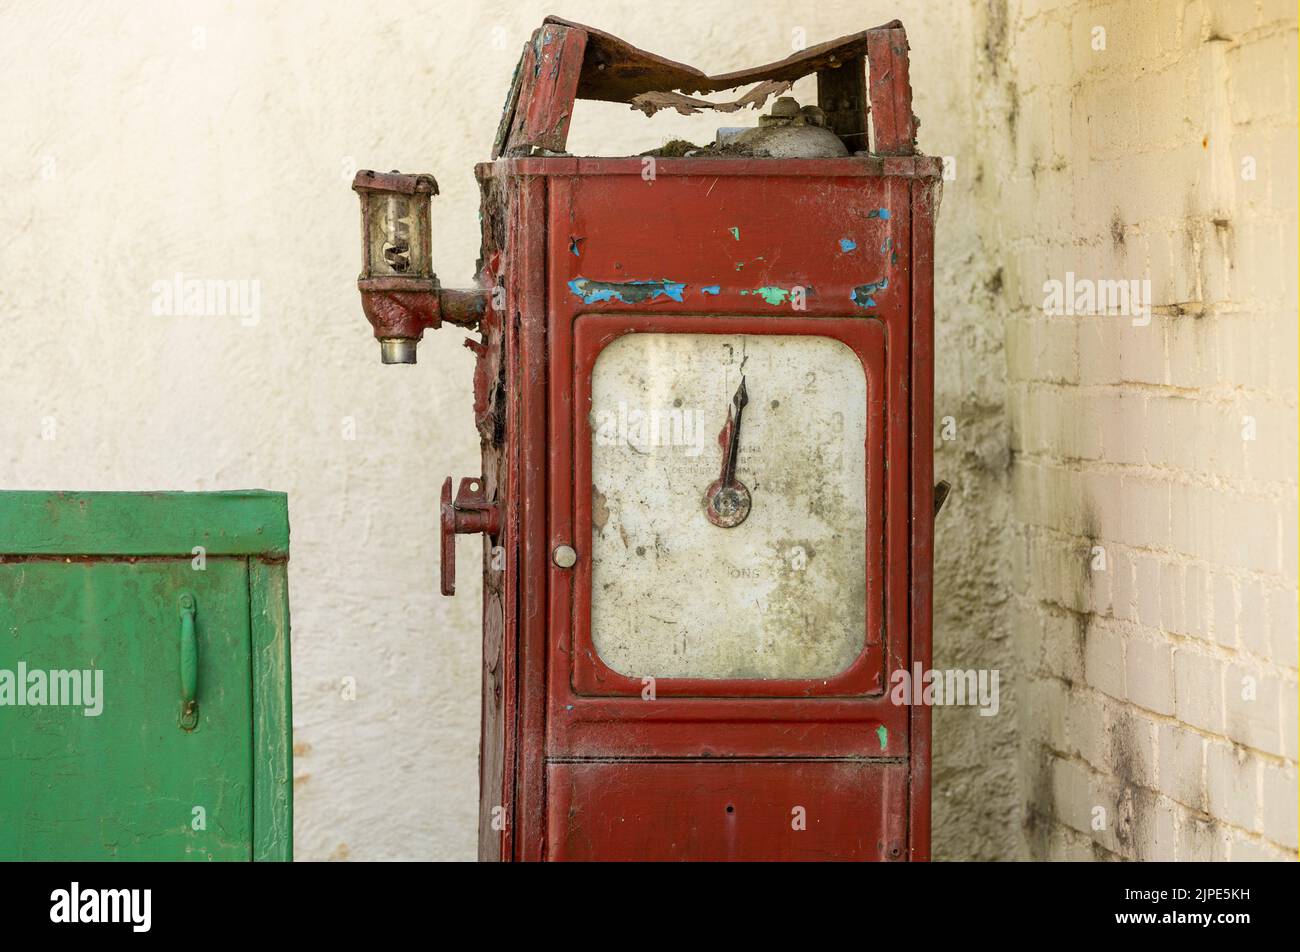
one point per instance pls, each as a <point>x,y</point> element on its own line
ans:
<point>567,263</point>
<point>566,61</point>
<point>616,71</point>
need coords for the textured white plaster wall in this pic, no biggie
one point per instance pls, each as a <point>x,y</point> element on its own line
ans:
<point>218,140</point>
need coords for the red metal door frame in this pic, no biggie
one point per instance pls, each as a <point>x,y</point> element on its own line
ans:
<point>530,279</point>
<point>585,726</point>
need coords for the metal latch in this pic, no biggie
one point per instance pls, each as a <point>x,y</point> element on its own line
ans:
<point>189,663</point>
<point>471,513</point>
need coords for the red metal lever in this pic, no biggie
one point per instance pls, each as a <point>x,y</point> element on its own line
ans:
<point>470,514</point>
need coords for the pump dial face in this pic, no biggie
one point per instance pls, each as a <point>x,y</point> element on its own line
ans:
<point>728,506</point>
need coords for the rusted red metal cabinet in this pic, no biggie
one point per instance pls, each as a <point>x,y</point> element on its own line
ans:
<point>658,685</point>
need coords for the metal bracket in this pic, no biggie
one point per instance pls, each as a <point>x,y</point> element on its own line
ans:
<point>470,514</point>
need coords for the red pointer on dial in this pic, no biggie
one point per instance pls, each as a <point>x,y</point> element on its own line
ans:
<point>727,500</point>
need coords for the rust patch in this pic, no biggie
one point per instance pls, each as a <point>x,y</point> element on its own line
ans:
<point>599,509</point>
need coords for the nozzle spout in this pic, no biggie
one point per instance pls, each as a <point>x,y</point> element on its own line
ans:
<point>397,350</point>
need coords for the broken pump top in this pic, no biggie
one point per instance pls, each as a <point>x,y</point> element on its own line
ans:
<point>787,132</point>
<point>860,74</point>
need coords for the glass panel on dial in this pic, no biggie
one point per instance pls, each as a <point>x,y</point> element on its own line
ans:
<point>728,506</point>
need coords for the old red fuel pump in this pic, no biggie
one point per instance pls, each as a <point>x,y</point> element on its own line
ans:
<point>704,394</point>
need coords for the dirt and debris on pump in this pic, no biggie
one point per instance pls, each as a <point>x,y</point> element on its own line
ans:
<point>788,131</point>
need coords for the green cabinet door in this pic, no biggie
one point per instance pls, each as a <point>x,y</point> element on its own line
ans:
<point>144,676</point>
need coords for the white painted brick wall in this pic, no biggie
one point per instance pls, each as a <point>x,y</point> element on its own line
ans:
<point>1160,715</point>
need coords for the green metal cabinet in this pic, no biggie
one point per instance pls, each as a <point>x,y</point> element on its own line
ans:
<point>144,676</point>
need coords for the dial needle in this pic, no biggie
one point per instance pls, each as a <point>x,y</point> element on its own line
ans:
<point>738,403</point>
<point>727,500</point>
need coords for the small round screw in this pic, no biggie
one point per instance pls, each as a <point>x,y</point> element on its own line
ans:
<point>564,556</point>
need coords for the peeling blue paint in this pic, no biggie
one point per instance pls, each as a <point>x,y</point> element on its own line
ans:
<point>543,38</point>
<point>847,245</point>
<point>888,243</point>
<point>882,213</point>
<point>735,233</point>
<point>573,246</point>
<point>629,292</point>
<point>862,294</point>
<point>711,289</point>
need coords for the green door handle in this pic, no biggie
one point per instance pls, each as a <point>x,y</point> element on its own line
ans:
<point>189,664</point>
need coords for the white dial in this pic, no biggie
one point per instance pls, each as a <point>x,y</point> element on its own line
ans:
<point>728,506</point>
